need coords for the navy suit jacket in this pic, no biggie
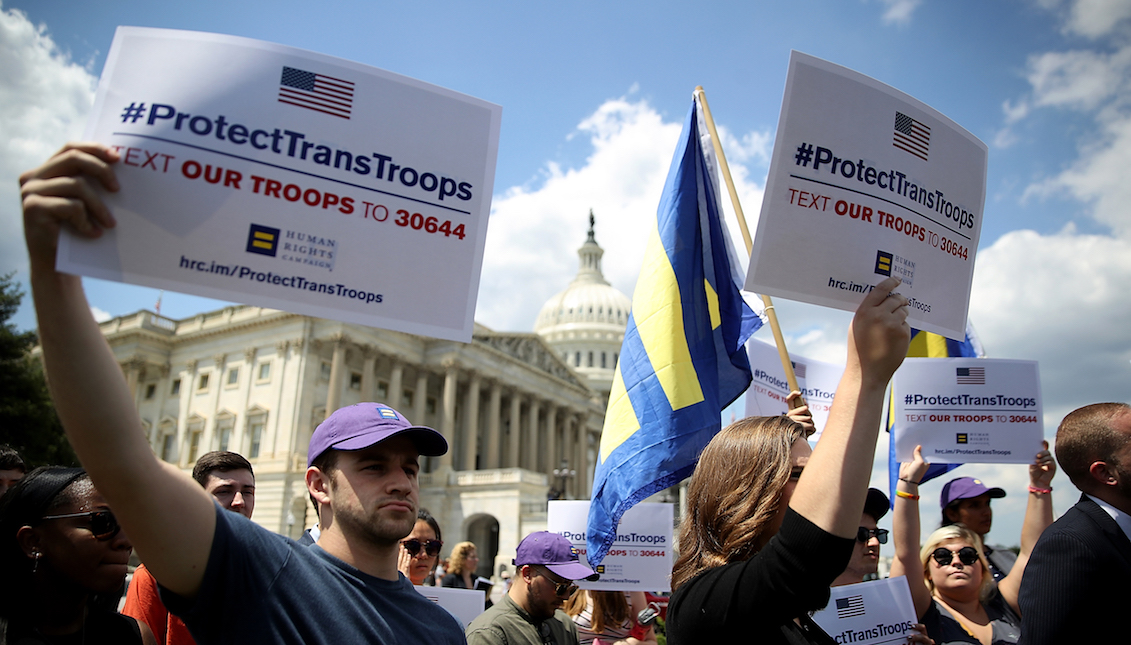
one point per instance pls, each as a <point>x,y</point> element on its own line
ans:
<point>1077,585</point>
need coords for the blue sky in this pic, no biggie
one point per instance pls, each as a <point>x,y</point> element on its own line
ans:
<point>593,94</point>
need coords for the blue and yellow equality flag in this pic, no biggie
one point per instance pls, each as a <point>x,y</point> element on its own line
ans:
<point>683,358</point>
<point>927,345</point>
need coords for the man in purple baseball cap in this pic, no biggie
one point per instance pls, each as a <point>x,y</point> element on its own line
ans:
<point>530,612</point>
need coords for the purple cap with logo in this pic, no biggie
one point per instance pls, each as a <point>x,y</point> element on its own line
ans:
<point>555,553</point>
<point>359,426</point>
<point>966,488</point>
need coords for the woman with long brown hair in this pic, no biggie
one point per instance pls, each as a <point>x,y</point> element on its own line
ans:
<point>770,523</point>
<point>608,616</point>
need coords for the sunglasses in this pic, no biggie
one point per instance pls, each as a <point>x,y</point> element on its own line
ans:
<point>967,555</point>
<point>103,524</point>
<point>431,547</point>
<point>563,589</point>
<point>864,534</point>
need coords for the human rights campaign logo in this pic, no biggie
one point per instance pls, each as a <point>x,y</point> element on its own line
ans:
<point>883,263</point>
<point>263,240</point>
<point>961,437</point>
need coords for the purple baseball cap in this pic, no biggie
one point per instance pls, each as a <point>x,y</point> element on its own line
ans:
<point>555,553</point>
<point>966,488</point>
<point>359,426</point>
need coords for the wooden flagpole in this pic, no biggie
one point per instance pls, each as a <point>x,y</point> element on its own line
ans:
<point>771,314</point>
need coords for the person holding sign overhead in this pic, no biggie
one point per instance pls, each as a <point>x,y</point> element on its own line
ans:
<point>955,595</point>
<point>761,542</point>
<point>362,472</point>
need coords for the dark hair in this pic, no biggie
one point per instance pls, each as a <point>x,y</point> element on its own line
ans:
<point>221,460</point>
<point>39,493</point>
<point>327,462</point>
<point>734,494</point>
<point>423,514</point>
<point>1085,437</point>
<point>10,459</point>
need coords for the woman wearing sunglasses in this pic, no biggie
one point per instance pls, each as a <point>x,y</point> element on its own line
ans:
<point>955,596</point>
<point>60,547</point>
<point>420,551</point>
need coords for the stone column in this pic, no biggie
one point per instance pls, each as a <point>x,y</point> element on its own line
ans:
<point>514,441</point>
<point>551,451</point>
<point>583,456</point>
<point>448,418</point>
<point>491,452</point>
<point>337,366</point>
<point>368,375</point>
<point>420,397</point>
<point>530,441</point>
<point>188,387</point>
<point>135,370</point>
<point>210,424</point>
<point>471,425</point>
<point>396,382</point>
<point>568,443</point>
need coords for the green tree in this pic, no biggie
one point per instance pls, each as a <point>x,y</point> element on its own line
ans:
<point>28,421</point>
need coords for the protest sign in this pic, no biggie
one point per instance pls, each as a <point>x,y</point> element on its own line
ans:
<point>282,178</point>
<point>968,410</point>
<point>769,389</point>
<point>869,613</point>
<point>641,556</point>
<point>464,604</point>
<point>866,182</point>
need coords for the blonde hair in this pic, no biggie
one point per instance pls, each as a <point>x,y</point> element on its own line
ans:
<point>459,557</point>
<point>609,607</point>
<point>956,532</point>
<point>734,494</point>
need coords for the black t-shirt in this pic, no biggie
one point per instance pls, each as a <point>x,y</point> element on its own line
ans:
<point>758,599</point>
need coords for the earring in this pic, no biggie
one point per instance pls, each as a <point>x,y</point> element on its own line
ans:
<point>36,555</point>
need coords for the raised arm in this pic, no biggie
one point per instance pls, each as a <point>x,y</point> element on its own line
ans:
<point>905,530</point>
<point>170,519</point>
<point>1038,517</point>
<point>834,484</point>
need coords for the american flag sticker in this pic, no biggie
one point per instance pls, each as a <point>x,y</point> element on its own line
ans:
<point>911,136</point>
<point>970,375</point>
<point>798,369</point>
<point>850,606</point>
<point>316,92</point>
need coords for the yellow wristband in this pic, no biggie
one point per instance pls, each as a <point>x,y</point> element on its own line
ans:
<point>906,495</point>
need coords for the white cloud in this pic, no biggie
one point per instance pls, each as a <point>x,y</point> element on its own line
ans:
<point>1097,18</point>
<point>100,315</point>
<point>534,233</point>
<point>1078,79</point>
<point>898,12</point>
<point>44,101</point>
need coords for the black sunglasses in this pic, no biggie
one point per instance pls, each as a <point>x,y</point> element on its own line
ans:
<point>563,589</point>
<point>967,555</point>
<point>103,524</point>
<point>431,547</point>
<point>865,534</point>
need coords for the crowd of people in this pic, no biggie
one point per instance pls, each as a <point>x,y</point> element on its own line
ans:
<point>771,523</point>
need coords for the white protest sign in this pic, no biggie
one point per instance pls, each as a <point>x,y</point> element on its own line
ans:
<point>867,182</point>
<point>968,410</point>
<point>869,613</point>
<point>641,556</point>
<point>282,178</point>
<point>769,389</point>
<point>464,604</point>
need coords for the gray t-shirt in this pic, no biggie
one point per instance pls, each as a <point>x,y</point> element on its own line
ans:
<point>260,587</point>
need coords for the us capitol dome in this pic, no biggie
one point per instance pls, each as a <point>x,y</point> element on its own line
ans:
<point>585,323</point>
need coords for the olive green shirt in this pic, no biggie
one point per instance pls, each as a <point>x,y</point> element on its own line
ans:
<point>507,624</point>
